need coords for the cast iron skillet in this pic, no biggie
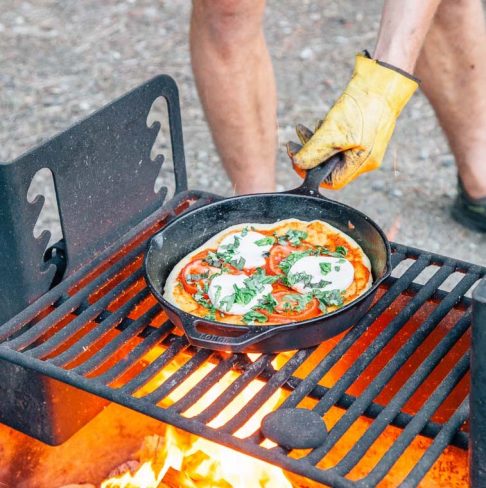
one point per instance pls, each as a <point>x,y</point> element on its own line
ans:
<point>193,228</point>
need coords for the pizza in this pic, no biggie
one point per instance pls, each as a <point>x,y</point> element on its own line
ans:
<point>267,274</point>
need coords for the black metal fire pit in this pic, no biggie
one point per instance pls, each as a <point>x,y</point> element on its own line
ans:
<point>79,320</point>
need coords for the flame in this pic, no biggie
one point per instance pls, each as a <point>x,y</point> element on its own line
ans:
<point>184,460</point>
<point>196,462</point>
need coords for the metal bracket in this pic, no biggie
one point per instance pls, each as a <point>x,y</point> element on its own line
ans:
<point>104,179</point>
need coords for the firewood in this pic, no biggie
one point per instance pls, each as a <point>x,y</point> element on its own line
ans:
<point>130,466</point>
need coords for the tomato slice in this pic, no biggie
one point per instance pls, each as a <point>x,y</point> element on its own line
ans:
<point>283,312</point>
<point>195,273</point>
<point>279,253</point>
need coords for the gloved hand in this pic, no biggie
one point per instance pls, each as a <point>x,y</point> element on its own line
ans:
<point>360,123</point>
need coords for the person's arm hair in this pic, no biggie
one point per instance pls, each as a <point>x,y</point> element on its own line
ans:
<point>403,28</point>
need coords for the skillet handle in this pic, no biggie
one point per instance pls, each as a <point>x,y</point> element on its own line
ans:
<point>315,176</point>
<point>225,342</point>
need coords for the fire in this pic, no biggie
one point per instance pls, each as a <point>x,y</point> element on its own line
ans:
<point>180,459</point>
<point>183,460</point>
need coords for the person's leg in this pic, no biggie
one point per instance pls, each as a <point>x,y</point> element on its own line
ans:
<point>235,81</point>
<point>452,66</point>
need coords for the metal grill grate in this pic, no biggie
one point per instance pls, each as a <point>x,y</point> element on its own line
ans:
<point>398,377</point>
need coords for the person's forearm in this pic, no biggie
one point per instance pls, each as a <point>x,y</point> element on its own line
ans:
<point>404,26</point>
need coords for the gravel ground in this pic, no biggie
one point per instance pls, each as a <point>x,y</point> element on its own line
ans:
<point>61,60</point>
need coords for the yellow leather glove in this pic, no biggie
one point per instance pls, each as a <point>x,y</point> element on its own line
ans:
<point>360,124</point>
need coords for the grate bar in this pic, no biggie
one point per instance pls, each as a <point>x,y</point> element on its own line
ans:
<point>134,328</point>
<point>437,447</point>
<point>151,341</point>
<point>178,345</point>
<point>416,425</point>
<point>249,374</point>
<point>103,328</point>
<point>308,384</point>
<point>270,387</point>
<point>401,420</point>
<point>439,260</point>
<point>179,376</point>
<point>77,324</point>
<point>397,402</point>
<point>203,386</point>
<point>392,367</point>
<point>396,258</point>
<point>381,341</point>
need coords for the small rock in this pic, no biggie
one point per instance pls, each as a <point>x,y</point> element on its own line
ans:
<point>306,53</point>
<point>397,193</point>
<point>201,155</point>
<point>447,160</point>
<point>424,154</point>
<point>378,185</point>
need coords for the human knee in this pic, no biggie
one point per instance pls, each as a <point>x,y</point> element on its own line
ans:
<point>229,22</point>
<point>453,13</point>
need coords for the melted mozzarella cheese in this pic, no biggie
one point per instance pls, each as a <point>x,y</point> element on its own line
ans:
<point>223,286</point>
<point>337,275</point>
<point>252,253</point>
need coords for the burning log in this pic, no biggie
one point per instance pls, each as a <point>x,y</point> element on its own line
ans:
<point>182,460</point>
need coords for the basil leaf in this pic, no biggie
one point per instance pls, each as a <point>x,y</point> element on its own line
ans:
<point>205,302</point>
<point>213,260</point>
<point>254,316</point>
<point>292,258</point>
<point>296,301</point>
<point>293,237</point>
<point>339,253</point>
<point>197,276</point>
<point>243,296</point>
<point>319,284</point>
<point>266,241</point>
<point>227,302</point>
<point>302,277</point>
<point>341,250</point>
<point>261,278</point>
<point>239,263</point>
<point>268,303</point>
<point>329,298</point>
<point>325,268</point>
<point>211,315</point>
<point>218,294</point>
